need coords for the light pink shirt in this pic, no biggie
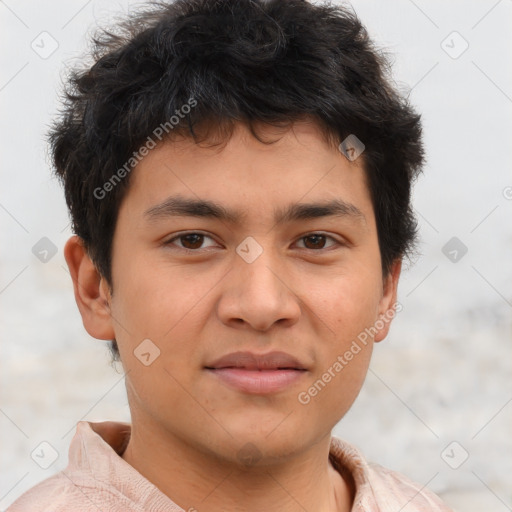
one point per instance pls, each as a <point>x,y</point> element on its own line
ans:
<point>98,479</point>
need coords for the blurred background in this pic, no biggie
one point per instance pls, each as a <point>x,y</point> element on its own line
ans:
<point>436,404</point>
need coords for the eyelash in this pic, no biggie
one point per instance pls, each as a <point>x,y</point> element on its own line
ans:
<point>182,235</point>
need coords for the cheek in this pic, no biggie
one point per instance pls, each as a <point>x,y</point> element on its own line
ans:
<point>347,302</point>
<point>168,305</point>
<point>344,353</point>
<point>333,390</point>
<point>155,298</point>
<point>347,312</point>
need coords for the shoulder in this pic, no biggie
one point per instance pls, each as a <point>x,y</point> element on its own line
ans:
<point>61,493</point>
<point>400,490</point>
<point>381,489</point>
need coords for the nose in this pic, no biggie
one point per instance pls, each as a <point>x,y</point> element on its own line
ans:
<point>259,295</point>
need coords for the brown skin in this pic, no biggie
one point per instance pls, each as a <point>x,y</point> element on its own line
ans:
<point>307,300</point>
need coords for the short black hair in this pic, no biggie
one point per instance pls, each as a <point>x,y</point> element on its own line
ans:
<point>230,61</point>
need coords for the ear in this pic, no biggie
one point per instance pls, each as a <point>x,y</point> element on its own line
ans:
<point>92,293</point>
<point>387,303</point>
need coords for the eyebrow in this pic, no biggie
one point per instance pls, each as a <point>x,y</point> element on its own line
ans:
<point>179,206</point>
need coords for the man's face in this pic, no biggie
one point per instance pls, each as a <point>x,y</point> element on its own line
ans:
<point>266,279</point>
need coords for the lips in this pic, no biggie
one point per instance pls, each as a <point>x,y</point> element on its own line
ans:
<point>257,373</point>
<point>250,361</point>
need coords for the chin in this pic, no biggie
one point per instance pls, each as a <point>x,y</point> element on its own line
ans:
<point>267,442</point>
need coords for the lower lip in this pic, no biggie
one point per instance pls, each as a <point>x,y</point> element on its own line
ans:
<point>258,382</point>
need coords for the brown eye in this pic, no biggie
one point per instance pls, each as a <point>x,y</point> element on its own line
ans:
<point>193,241</point>
<point>315,241</point>
<point>318,241</point>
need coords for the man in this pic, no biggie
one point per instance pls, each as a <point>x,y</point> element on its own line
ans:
<point>238,175</point>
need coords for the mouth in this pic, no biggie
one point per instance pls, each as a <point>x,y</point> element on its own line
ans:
<point>257,373</point>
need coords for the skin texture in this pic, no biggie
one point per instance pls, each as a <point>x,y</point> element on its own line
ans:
<point>189,429</point>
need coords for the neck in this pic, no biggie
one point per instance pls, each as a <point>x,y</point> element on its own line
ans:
<point>198,481</point>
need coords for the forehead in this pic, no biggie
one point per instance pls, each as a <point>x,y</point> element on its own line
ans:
<point>226,181</point>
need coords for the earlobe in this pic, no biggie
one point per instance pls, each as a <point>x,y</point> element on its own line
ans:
<point>91,293</point>
<point>387,303</point>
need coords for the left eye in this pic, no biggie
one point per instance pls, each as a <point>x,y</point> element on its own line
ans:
<point>317,240</point>
<point>194,241</point>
